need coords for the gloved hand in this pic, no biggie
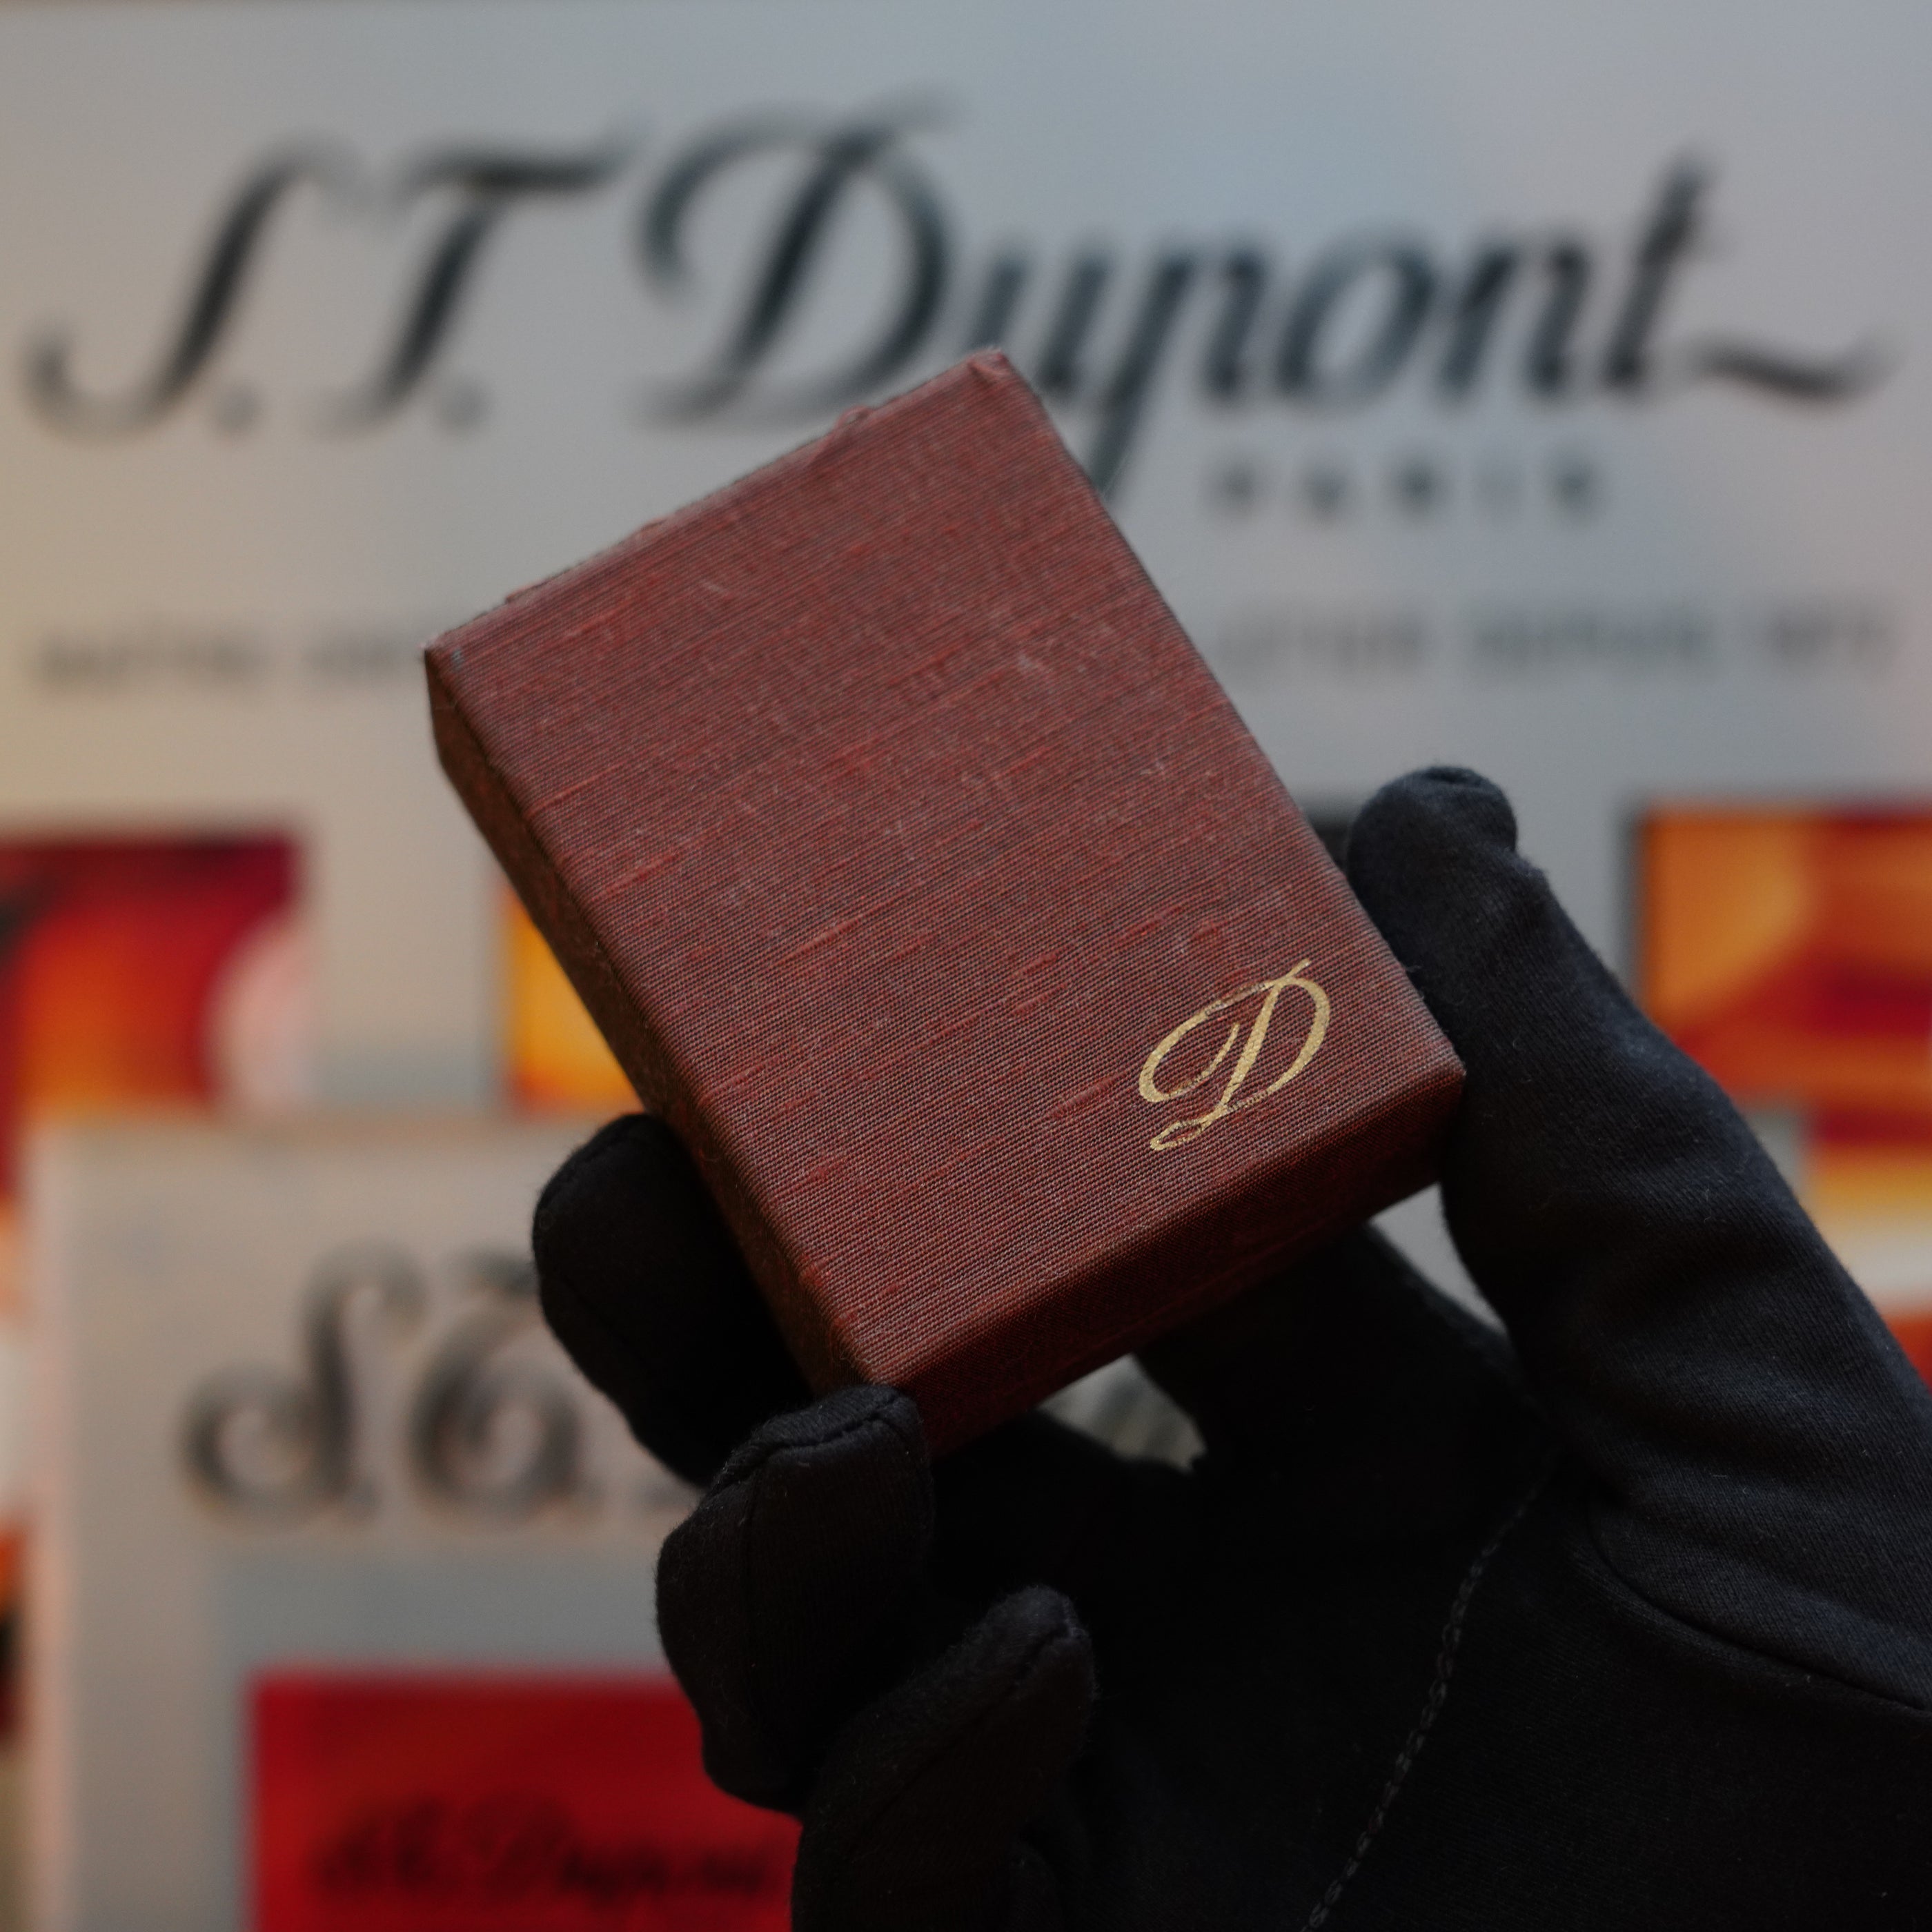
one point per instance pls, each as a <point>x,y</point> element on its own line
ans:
<point>1624,1622</point>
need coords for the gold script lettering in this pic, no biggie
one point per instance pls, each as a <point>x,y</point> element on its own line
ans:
<point>1252,1038</point>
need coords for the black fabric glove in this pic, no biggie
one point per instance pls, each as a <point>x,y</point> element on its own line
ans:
<point>1624,1622</point>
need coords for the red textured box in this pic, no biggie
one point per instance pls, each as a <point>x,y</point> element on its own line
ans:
<point>916,868</point>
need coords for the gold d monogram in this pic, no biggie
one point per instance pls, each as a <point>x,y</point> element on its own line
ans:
<point>1178,1133</point>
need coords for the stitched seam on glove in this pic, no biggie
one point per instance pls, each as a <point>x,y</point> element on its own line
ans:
<point>1431,1705</point>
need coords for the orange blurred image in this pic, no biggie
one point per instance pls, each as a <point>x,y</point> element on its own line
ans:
<point>554,1058</point>
<point>138,971</point>
<point>1789,950</point>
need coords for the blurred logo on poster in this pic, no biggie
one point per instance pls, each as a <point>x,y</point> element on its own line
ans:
<point>1557,312</point>
<point>490,1425</point>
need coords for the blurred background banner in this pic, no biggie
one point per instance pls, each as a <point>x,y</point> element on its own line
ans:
<point>1546,395</point>
<point>300,1422</point>
<point>1546,392</point>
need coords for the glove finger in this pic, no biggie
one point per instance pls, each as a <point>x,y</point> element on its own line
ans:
<point>914,1821</point>
<point>1377,1408</point>
<point>647,1292</point>
<point>781,1596</point>
<point>1764,1451</point>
